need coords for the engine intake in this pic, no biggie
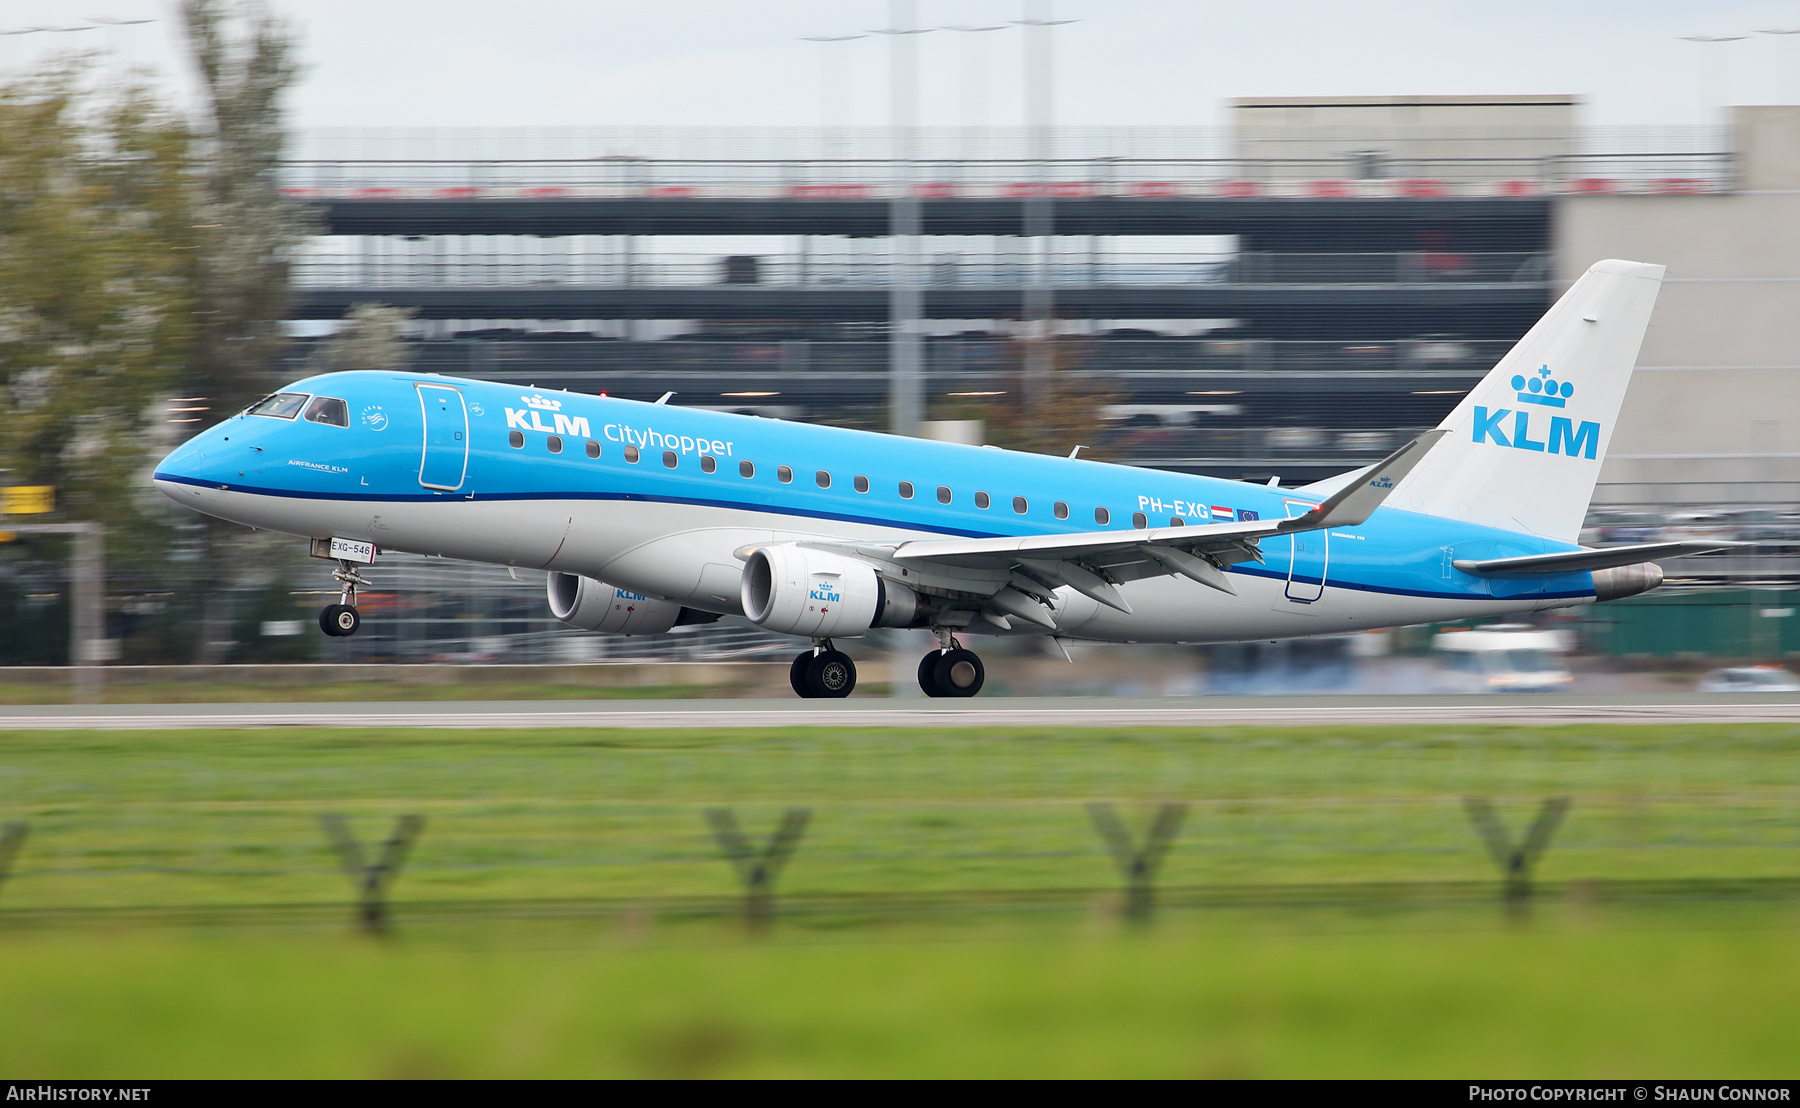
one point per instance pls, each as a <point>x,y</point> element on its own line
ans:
<point>597,606</point>
<point>796,591</point>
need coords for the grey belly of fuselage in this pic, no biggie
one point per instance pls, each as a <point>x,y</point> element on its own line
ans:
<point>689,554</point>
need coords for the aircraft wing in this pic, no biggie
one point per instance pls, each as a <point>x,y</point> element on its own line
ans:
<point>1012,572</point>
<point>1573,561</point>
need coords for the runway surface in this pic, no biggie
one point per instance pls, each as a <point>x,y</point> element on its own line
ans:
<point>1362,711</point>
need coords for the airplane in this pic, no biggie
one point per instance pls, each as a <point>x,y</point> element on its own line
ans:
<point>650,516</point>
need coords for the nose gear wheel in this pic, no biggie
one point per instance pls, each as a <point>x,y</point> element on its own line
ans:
<point>339,620</point>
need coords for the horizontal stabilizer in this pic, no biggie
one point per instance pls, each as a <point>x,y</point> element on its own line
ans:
<point>1577,561</point>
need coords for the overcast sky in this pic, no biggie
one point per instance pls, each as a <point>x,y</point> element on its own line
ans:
<point>738,63</point>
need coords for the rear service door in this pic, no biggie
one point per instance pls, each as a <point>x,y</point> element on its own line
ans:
<point>1309,559</point>
<point>446,458</point>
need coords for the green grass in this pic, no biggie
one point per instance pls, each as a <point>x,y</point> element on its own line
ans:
<point>953,904</point>
<point>1183,1003</point>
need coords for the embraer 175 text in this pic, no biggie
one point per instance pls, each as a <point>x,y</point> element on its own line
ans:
<point>649,516</point>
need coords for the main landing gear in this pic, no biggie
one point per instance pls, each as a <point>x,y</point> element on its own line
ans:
<point>341,620</point>
<point>951,670</point>
<point>823,672</point>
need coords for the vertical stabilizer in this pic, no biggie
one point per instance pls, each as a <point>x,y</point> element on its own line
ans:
<point>1524,447</point>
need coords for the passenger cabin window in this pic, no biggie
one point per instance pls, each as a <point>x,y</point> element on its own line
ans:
<point>906,490</point>
<point>669,459</point>
<point>823,478</point>
<point>1140,520</point>
<point>861,483</point>
<point>981,500</point>
<point>708,463</point>
<point>328,410</point>
<point>1102,516</point>
<point>784,474</point>
<point>943,494</point>
<point>593,449</point>
<point>631,454</point>
<point>746,469</point>
<point>1177,521</point>
<point>1019,505</point>
<point>554,442</point>
<point>516,438</point>
<point>281,405</point>
<point>1059,510</point>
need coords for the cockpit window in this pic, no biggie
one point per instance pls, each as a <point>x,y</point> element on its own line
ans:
<point>329,410</point>
<point>281,405</point>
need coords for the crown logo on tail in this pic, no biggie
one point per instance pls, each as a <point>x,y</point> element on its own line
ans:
<point>1540,389</point>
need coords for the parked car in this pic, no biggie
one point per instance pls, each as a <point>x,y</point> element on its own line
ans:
<point>1630,527</point>
<point>1698,526</point>
<point>1766,527</point>
<point>1771,679</point>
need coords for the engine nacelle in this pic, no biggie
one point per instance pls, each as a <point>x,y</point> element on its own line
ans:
<point>796,591</point>
<point>596,606</point>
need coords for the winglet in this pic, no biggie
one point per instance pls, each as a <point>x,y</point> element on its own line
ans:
<point>1356,502</point>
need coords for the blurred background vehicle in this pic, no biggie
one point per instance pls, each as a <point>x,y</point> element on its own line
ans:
<point>1502,657</point>
<point>1772,679</point>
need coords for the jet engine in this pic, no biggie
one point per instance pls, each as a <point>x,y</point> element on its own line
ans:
<point>596,606</point>
<point>796,591</point>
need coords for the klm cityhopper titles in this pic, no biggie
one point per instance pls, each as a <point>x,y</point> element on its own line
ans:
<point>650,516</point>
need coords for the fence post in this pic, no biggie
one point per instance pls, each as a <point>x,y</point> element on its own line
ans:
<point>372,881</point>
<point>1516,862</point>
<point>1138,867</point>
<point>758,870</point>
<point>12,838</point>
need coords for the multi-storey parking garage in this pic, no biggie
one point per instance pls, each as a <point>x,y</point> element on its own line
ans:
<point>1244,315</point>
<point>1288,298</point>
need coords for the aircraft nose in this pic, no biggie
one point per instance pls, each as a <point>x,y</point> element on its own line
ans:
<point>191,468</point>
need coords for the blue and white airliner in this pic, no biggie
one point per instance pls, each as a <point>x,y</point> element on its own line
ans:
<point>648,516</point>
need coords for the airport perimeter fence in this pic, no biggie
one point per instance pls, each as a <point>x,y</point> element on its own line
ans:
<point>306,865</point>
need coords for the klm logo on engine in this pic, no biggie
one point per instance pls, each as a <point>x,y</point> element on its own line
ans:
<point>823,591</point>
<point>1564,435</point>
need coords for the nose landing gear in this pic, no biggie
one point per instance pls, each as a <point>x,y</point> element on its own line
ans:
<point>824,672</point>
<point>951,670</point>
<point>341,620</point>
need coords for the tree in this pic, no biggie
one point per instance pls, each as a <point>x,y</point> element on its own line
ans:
<point>245,234</point>
<point>246,231</point>
<point>372,337</point>
<point>96,293</point>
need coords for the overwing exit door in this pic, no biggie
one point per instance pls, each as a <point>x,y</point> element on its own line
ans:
<point>446,458</point>
<point>1309,558</point>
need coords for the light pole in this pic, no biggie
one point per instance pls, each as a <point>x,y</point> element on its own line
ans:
<point>975,88</point>
<point>1720,76</point>
<point>906,385</point>
<point>834,104</point>
<point>1780,89</point>
<point>1039,214</point>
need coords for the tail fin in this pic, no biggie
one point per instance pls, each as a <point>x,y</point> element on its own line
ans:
<point>1525,445</point>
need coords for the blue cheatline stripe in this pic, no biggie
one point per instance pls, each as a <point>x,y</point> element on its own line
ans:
<point>452,498</point>
<point>1246,568</point>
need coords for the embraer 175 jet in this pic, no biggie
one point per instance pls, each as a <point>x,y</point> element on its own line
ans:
<point>648,516</point>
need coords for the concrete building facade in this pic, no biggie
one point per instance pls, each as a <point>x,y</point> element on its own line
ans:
<point>1713,415</point>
